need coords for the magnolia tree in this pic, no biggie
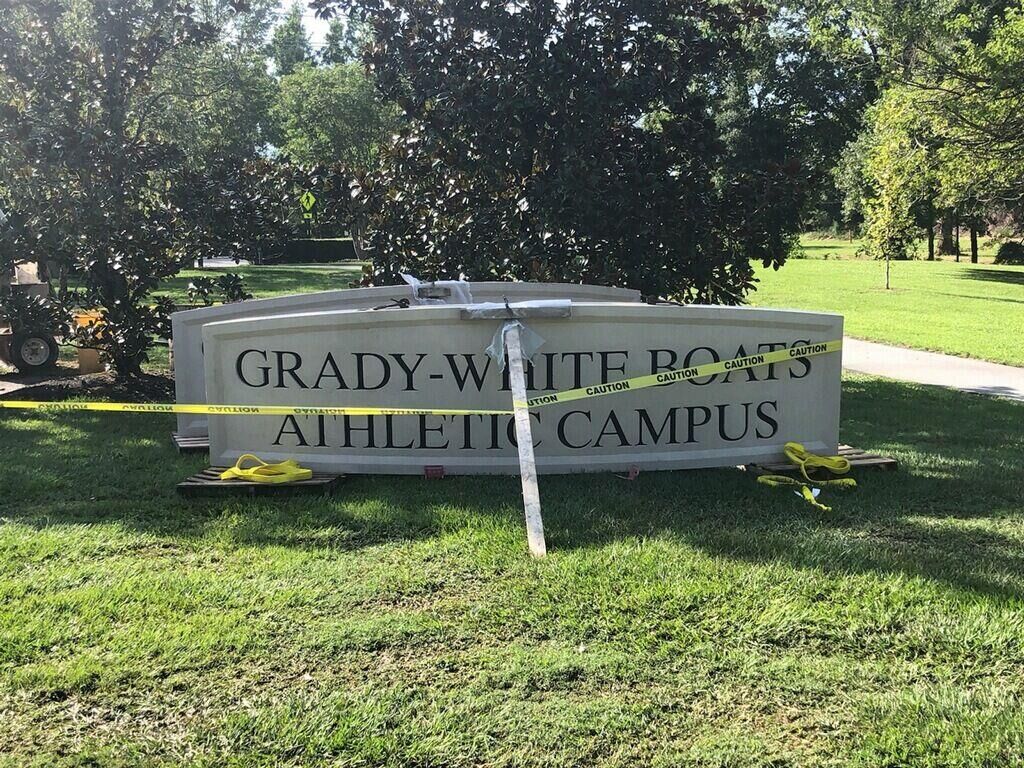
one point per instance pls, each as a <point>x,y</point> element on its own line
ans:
<point>656,145</point>
<point>87,178</point>
<point>251,210</point>
<point>129,132</point>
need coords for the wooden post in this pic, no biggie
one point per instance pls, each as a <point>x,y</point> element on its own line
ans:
<point>513,349</point>
<point>524,437</point>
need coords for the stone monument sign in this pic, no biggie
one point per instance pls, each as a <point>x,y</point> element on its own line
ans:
<point>187,325</point>
<point>432,357</point>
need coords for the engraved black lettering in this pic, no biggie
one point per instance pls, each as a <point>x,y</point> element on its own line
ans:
<point>295,431</point>
<point>264,369</point>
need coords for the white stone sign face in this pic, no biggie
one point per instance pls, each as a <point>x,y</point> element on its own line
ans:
<point>187,326</point>
<point>428,357</point>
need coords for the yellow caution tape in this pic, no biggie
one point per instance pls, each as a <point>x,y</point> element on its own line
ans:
<point>583,393</point>
<point>287,471</point>
<point>244,410</point>
<point>685,374</point>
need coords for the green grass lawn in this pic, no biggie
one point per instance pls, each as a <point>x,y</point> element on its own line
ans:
<point>688,618</point>
<point>815,246</point>
<point>972,310</point>
<point>270,281</point>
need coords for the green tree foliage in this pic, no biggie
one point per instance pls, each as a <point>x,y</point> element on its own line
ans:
<point>85,174</point>
<point>251,211</point>
<point>640,143</point>
<point>974,86</point>
<point>118,118</point>
<point>289,44</point>
<point>216,103</point>
<point>946,136</point>
<point>216,98</point>
<point>244,24</point>
<point>344,42</point>
<point>228,288</point>
<point>331,114</point>
<point>852,182</point>
<point>806,97</point>
<point>900,166</point>
<point>1010,253</point>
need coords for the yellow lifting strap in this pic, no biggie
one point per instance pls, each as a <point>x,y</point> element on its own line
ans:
<point>287,471</point>
<point>803,459</point>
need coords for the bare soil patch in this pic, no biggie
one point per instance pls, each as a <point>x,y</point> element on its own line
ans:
<point>147,388</point>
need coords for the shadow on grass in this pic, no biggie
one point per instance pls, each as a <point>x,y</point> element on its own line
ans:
<point>994,275</point>
<point>980,298</point>
<point>937,517</point>
<point>837,246</point>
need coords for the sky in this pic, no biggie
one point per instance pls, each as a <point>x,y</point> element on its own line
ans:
<point>315,28</point>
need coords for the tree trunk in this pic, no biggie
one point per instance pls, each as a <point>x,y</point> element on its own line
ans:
<point>931,229</point>
<point>948,221</point>
<point>126,366</point>
<point>958,240</point>
<point>358,233</point>
<point>63,287</point>
<point>974,243</point>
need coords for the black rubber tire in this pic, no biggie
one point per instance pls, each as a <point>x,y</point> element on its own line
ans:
<point>28,354</point>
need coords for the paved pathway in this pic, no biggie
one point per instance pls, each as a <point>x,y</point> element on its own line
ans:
<point>219,263</point>
<point>932,368</point>
<point>7,387</point>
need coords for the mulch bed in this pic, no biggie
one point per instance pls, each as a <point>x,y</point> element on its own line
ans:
<point>148,388</point>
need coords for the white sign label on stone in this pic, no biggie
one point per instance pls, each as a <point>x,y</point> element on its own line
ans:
<point>187,326</point>
<point>428,357</point>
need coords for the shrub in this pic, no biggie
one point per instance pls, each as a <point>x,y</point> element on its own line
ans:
<point>25,312</point>
<point>228,286</point>
<point>232,288</point>
<point>200,291</point>
<point>1010,253</point>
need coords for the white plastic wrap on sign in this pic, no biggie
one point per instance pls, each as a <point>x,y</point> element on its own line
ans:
<point>449,291</point>
<point>433,357</point>
<point>507,310</point>
<point>529,341</point>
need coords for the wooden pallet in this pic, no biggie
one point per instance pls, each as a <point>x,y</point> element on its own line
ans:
<point>200,444</point>
<point>857,458</point>
<point>208,483</point>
